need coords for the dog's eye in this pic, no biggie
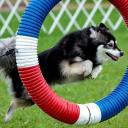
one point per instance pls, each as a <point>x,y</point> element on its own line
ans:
<point>110,45</point>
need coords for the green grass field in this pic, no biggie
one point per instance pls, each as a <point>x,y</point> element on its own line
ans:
<point>79,92</point>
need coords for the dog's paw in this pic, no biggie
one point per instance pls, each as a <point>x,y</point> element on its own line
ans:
<point>96,71</point>
<point>7,119</point>
<point>93,76</point>
<point>90,77</point>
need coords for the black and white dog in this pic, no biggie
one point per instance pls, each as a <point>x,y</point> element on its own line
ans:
<point>76,56</point>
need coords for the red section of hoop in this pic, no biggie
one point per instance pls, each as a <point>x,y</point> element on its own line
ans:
<point>47,100</point>
<point>122,6</point>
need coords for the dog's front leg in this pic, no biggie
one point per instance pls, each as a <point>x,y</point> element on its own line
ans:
<point>87,66</point>
<point>76,68</point>
<point>95,72</point>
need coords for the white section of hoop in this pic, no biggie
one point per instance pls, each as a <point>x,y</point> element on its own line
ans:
<point>26,51</point>
<point>89,114</point>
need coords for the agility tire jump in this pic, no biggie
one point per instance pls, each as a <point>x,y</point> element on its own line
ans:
<point>42,95</point>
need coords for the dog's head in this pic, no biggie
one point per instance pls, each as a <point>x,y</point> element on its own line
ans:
<point>106,43</point>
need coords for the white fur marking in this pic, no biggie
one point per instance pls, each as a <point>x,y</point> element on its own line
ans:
<point>111,42</point>
<point>78,59</point>
<point>88,67</point>
<point>12,108</point>
<point>78,68</point>
<point>93,33</point>
<point>101,55</point>
<point>7,41</point>
<point>114,52</point>
<point>8,116</point>
<point>95,72</point>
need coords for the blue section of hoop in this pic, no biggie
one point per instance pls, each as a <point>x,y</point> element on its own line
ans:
<point>33,17</point>
<point>116,101</point>
<point>30,26</point>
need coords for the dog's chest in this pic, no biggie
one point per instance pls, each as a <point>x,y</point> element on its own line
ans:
<point>100,59</point>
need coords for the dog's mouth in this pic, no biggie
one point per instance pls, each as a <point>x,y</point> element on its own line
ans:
<point>115,58</point>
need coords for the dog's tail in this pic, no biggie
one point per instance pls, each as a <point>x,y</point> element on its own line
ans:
<point>7,53</point>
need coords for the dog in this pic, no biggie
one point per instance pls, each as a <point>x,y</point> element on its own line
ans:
<point>78,55</point>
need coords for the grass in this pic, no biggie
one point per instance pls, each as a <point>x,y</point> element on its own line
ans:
<point>79,92</point>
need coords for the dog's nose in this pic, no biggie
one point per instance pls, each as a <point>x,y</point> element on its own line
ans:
<point>121,53</point>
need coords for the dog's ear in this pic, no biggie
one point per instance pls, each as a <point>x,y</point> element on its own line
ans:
<point>102,27</point>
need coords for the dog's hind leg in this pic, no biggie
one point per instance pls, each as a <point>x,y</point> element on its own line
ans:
<point>10,111</point>
<point>15,104</point>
